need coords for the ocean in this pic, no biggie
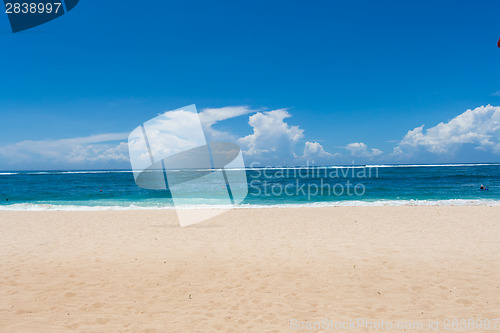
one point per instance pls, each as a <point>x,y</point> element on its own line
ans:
<point>376,185</point>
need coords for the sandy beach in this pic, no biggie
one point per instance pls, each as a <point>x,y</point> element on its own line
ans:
<point>248,270</point>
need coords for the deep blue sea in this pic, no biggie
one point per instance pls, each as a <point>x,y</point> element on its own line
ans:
<point>299,186</point>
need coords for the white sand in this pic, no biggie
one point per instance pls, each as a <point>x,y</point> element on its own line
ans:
<point>249,270</point>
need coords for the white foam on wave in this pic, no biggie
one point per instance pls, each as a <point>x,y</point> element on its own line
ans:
<point>353,203</point>
<point>365,166</point>
<point>51,207</point>
<point>64,172</point>
<point>262,168</point>
<point>91,172</point>
<point>428,165</point>
<point>379,203</point>
<point>77,172</point>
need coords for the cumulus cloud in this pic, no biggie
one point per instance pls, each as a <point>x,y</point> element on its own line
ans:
<point>360,149</point>
<point>272,140</point>
<point>315,149</point>
<point>479,127</point>
<point>272,137</point>
<point>314,153</point>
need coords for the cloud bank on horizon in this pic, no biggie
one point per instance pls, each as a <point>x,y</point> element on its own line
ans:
<point>273,141</point>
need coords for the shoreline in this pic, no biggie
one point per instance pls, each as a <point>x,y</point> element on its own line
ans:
<point>324,204</point>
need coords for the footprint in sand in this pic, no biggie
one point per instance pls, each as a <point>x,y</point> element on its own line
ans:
<point>98,305</point>
<point>381,309</point>
<point>102,321</point>
<point>464,301</point>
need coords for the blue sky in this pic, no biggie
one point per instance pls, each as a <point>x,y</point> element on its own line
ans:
<point>335,82</point>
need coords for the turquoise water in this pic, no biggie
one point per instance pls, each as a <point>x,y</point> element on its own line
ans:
<point>362,185</point>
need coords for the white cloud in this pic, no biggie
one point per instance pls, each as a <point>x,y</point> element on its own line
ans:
<point>90,149</point>
<point>272,137</point>
<point>314,153</point>
<point>397,151</point>
<point>315,149</point>
<point>98,153</point>
<point>112,147</point>
<point>496,93</point>
<point>479,127</point>
<point>360,149</point>
<point>211,116</point>
<point>273,140</point>
<point>174,132</point>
